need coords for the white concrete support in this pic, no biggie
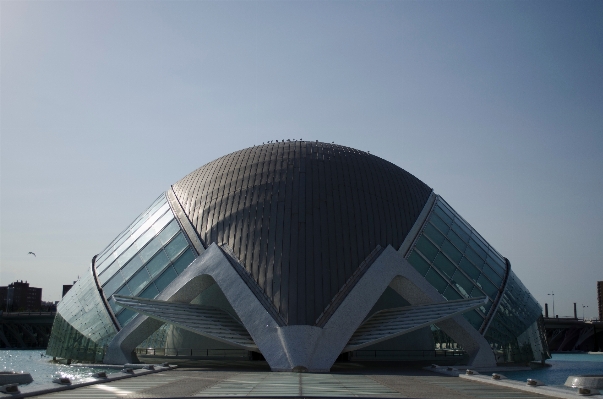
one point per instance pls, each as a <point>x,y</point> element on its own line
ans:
<point>416,290</point>
<point>301,346</point>
<point>210,267</point>
<point>390,268</point>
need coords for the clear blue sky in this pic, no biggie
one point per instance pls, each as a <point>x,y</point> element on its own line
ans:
<point>497,105</point>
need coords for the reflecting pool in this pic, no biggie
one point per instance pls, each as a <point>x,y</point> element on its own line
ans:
<point>562,366</point>
<point>41,367</point>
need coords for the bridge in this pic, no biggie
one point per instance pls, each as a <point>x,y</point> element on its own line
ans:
<point>29,330</point>
<point>565,334</point>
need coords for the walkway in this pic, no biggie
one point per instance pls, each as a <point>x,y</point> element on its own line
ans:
<point>406,383</point>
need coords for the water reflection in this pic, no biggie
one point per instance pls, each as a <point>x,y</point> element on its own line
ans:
<point>562,366</point>
<point>41,367</point>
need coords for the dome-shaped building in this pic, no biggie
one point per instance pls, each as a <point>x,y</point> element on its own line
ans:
<point>300,251</point>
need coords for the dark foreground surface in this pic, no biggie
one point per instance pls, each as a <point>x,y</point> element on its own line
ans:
<point>253,379</point>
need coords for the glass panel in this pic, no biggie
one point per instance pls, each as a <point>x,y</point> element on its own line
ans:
<point>170,230</point>
<point>451,294</point>
<point>113,285</point>
<point>468,268</point>
<point>127,254</point>
<point>166,277</point>
<point>434,234</point>
<point>109,250</point>
<point>478,293</point>
<point>451,251</point>
<point>463,283</point>
<point>139,280</point>
<point>418,263</point>
<point>477,248</point>
<point>488,287</point>
<point>101,266</point>
<point>495,278</point>
<point>137,233</point>
<point>151,249</point>
<point>132,267</point>
<point>157,264</point>
<point>109,272</point>
<point>444,265</point>
<point>473,257</point>
<point>459,229</point>
<point>495,266</point>
<point>125,291</point>
<point>480,242</point>
<point>154,208</point>
<point>125,316</point>
<point>163,221</point>
<point>150,292</point>
<point>135,236</point>
<point>447,219</point>
<point>439,223</point>
<point>456,240</point>
<point>82,325</point>
<point>446,209</point>
<point>427,248</point>
<point>146,237</point>
<point>184,260</point>
<point>436,280</point>
<point>176,246</point>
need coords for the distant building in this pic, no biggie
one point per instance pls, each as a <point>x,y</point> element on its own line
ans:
<point>600,298</point>
<point>66,288</point>
<point>49,306</point>
<point>19,296</point>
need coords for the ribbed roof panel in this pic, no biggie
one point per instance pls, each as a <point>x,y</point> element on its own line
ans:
<point>301,216</point>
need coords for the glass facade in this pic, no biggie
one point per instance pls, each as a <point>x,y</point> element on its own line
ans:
<point>141,261</point>
<point>516,329</point>
<point>145,258</point>
<point>459,263</point>
<point>82,326</point>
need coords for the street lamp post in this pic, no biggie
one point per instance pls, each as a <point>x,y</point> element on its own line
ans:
<point>553,294</point>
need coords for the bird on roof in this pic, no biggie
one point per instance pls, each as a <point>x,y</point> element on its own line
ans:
<point>31,254</point>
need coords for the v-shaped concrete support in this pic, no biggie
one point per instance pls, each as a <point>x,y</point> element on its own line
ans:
<point>302,346</point>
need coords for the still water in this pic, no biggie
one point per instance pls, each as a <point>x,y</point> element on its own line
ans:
<point>562,366</point>
<point>41,367</point>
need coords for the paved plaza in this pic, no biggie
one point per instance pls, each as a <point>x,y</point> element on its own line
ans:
<point>249,382</point>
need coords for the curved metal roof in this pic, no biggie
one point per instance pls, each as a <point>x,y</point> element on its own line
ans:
<point>301,216</point>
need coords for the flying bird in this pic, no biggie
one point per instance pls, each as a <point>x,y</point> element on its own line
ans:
<point>31,254</point>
